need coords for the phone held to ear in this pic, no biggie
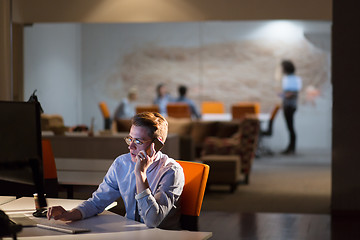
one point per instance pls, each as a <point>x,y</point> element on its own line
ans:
<point>158,144</point>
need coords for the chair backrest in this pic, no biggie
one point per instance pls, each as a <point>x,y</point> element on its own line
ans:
<point>147,108</point>
<point>178,110</point>
<point>212,107</point>
<point>275,111</point>
<point>196,175</point>
<point>104,109</point>
<point>106,114</point>
<point>49,169</point>
<point>49,166</point>
<point>268,131</point>
<point>240,110</point>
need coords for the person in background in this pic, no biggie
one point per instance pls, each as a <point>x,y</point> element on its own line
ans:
<point>291,85</point>
<point>127,107</point>
<point>149,182</point>
<point>162,98</point>
<point>182,98</point>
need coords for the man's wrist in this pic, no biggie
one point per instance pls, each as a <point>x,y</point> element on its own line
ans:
<point>141,176</point>
<point>76,214</point>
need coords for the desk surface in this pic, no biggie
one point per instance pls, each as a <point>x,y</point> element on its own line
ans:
<point>6,199</point>
<point>106,225</point>
<point>228,117</point>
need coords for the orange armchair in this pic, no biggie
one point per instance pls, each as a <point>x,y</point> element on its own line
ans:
<point>242,109</point>
<point>196,175</point>
<point>212,107</point>
<point>178,110</point>
<point>49,169</point>
<point>147,108</point>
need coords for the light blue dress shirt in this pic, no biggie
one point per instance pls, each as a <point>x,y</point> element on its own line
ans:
<point>162,102</point>
<point>161,202</point>
<point>291,83</point>
<point>194,112</point>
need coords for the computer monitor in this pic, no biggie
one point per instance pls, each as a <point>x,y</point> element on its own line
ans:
<point>20,146</point>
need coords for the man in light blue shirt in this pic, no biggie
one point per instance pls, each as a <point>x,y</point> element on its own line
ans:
<point>149,182</point>
<point>182,98</point>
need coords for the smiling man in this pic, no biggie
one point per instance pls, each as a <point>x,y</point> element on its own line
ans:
<point>149,182</point>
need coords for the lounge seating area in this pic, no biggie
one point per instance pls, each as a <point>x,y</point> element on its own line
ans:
<point>228,146</point>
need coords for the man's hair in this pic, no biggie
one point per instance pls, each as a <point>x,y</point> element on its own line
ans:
<point>154,122</point>
<point>288,67</point>
<point>182,90</point>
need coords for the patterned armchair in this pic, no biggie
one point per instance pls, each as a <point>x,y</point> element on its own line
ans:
<point>231,158</point>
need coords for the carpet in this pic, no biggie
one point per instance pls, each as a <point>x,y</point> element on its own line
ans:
<point>298,183</point>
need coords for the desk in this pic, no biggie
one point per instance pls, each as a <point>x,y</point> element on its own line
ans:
<point>6,199</point>
<point>106,225</point>
<point>228,117</point>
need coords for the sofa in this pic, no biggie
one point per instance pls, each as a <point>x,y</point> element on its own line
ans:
<point>231,158</point>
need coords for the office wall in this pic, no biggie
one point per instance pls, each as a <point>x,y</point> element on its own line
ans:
<point>227,61</point>
<point>52,65</point>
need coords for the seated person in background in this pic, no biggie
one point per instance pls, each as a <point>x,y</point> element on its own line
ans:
<point>149,182</point>
<point>162,98</point>
<point>127,106</point>
<point>182,98</point>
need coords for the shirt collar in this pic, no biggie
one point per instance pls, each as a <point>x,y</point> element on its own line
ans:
<point>156,161</point>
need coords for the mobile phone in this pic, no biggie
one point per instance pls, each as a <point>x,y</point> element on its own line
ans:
<point>158,146</point>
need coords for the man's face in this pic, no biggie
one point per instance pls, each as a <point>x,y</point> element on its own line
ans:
<point>139,135</point>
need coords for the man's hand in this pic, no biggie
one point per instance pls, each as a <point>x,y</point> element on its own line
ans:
<point>143,161</point>
<point>59,213</point>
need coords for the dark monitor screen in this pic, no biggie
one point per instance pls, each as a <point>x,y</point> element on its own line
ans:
<point>20,144</point>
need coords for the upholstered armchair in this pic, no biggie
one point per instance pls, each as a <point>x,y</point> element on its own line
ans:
<point>231,158</point>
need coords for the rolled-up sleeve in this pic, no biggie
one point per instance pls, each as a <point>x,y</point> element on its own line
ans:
<point>155,205</point>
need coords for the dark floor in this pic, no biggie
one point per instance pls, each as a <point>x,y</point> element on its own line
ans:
<point>279,226</point>
<point>269,226</point>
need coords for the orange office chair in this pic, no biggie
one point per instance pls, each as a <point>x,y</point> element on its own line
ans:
<point>262,149</point>
<point>241,109</point>
<point>212,107</point>
<point>147,108</point>
<point>49,169</point>
<point>196,175</point>
<point>178,110</point>
<point>106,114</point>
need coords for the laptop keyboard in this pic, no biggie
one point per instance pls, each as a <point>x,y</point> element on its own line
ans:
<point>25,221</point>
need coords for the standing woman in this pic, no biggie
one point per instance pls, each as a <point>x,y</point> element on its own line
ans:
<point>291,85</point>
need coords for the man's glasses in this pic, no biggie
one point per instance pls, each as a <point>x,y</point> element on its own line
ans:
<point>138,142</point>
